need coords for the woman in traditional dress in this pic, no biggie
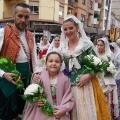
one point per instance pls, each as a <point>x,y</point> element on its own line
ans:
<point>118,42</point>
<point>116,52</point>
<point>55,45</point>
<point>43,46</point>
<point>107,82</point>
<point>90,103</point>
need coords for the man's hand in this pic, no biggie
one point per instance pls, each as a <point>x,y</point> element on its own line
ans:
<point>8,77</point>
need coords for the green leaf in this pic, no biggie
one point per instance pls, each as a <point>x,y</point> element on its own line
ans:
<point>7,65</point>
<point>47,109</point>
<point>92,72</point>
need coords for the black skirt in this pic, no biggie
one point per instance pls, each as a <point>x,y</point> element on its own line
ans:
<point>13,104</point>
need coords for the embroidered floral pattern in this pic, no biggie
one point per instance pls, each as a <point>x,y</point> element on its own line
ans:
<point>53,91</point>
<point>66,72</point>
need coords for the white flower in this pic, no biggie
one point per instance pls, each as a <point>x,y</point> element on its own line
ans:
<point>111,68</point>
<point>96,60</point>
<point>31,89</point>
<point>90,56</point>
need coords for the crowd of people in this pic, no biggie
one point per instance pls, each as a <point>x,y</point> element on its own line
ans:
<point>58,65</point>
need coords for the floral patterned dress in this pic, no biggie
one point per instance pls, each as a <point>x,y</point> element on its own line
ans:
<point>53,84</point>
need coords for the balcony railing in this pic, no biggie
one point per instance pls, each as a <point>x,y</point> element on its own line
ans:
<point>71,3</point>
<point>7,14</point>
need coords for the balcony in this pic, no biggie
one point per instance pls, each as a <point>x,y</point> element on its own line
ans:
<point>7,14</point>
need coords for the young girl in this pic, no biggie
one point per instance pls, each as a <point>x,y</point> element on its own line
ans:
<point>58,89</point>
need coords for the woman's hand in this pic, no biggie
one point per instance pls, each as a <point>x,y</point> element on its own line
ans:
<point>8,77</point>
<point>117,61</point>
<point>36,77</point>
<point>84,79</point>
<point>58,113</point>
<point>38,104</point>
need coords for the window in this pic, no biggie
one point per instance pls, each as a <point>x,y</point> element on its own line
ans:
<point>83,2</point>
<point>61,12</point>
<point>91,4</point>
<point>106,2</point>
<point>105,21</point>
<point>106,12</point>
<point>83,19</point>
<point>34,9</point>
<point>75,14</point>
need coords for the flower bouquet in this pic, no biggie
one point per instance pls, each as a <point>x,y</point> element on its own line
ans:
<point>93,65</point>
<point>7,65</point>
<point>34,93</point>
<point>110,71</point>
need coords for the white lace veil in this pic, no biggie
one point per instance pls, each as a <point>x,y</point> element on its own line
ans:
<point>52,45</point>
<point>81,30</point>
<point>118,41</point>
<point>116,49</point>
<point>41,41</point>
<point>107,47</point>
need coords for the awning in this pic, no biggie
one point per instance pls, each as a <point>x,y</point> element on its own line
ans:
<point>93,30</point>
<point>48,27</point>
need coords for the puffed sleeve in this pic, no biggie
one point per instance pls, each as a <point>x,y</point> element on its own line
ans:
<point>1,37</point>
<point>1,43</point>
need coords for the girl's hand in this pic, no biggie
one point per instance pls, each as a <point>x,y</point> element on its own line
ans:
<point>36,77</point>
<point>38,104</point>
<point>84,79</point>
<point>58,114</point>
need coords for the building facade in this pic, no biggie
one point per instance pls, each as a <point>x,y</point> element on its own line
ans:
<point>84,11</point>
<point>102,14</point>
<point>116,8</point>
<point>46,15</point>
